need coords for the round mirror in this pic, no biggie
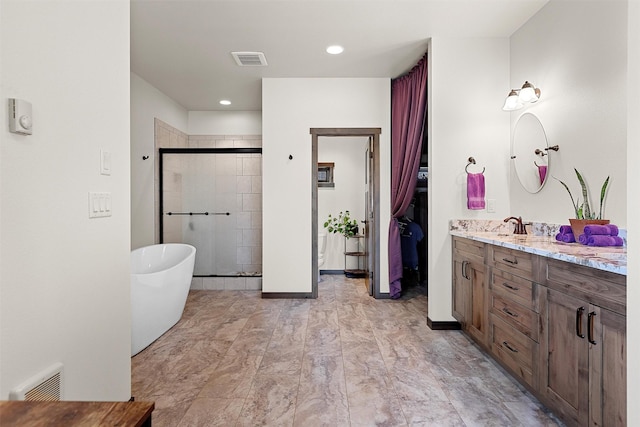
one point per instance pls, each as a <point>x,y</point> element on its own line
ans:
<point>529,153</point>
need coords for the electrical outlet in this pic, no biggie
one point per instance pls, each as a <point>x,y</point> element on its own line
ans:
<point>491,205</point>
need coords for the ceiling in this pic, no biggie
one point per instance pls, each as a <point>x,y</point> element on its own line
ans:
<point>183,47</point>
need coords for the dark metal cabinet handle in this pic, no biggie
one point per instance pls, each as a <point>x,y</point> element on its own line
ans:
<point>509,312</point>
<point>591,316</point>
<point>464,269</point>
<point>513,288</point>
<point>579,322</point>
<point>510,261</point>
<point>506,344</point>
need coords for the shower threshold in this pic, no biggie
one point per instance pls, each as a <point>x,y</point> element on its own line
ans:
<point>241,274</point>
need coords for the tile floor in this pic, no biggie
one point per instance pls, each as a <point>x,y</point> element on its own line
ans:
<point>344,359</point>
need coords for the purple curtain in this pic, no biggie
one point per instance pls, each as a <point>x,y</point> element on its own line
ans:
<point>408,106</point>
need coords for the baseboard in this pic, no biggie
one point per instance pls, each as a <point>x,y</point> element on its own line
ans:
<point>287,295</point>
<point>442,326</point>
<point>331,272</point>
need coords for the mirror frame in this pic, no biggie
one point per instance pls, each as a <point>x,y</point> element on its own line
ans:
<point>524,151</point>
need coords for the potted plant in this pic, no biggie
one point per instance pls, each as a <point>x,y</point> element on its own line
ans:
<point>584,214</point>
<point>342,224</point>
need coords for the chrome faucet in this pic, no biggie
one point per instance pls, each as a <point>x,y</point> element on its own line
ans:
<point>520,227</point>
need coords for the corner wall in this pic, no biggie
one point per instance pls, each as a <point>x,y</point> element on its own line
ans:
<point>291,107</point>
<point>633,207</point>
<point>147,104</point>
<point>466,86</point>
<point>65,278</point>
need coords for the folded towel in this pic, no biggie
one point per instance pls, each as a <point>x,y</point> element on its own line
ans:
<point>602,240</point>
<point>613,229</point>
<point>591,230</point>
<point>475,191</point>
<point>565,237</point>
<point>542,171</point>
<point>583,239</point>
<point>564,229</point>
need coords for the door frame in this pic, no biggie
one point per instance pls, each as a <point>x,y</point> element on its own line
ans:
<point>374,134</point>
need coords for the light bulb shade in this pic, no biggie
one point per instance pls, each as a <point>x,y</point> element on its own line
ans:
<point>512,102</point>
<point>528,93</point>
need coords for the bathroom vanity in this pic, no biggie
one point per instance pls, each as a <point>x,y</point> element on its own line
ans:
<point>552,314</point>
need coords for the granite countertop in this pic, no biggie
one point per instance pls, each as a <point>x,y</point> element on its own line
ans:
<point>612,259</point>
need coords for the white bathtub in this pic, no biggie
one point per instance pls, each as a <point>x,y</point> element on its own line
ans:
<point>160,280</point>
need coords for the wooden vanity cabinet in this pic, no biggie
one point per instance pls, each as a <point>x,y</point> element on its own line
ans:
<point>583,344</point>
<point>558,327</point>
<point>469,302</point>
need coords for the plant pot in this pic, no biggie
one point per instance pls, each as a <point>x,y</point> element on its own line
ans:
<point>577,225</point>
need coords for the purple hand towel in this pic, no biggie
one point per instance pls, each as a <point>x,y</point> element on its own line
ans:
<point>475,191</point>
<point>565,229</point>
<point>566,237</point>
<point>602,240</point>
<point>542,171</point>
<point>583,239</point>
<point>592,230</point>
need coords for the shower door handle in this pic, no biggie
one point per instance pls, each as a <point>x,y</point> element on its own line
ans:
<point>198,213</point>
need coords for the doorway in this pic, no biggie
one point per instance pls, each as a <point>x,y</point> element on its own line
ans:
<point>372,203</point>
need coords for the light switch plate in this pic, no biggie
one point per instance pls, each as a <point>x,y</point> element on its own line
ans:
<point>99,204</point>
<point>491,205</point>
<point>105,162</point>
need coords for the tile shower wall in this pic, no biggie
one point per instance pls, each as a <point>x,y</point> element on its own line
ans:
<point>238,174</point>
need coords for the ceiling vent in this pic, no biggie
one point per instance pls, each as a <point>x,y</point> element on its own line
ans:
<point>250,59</point>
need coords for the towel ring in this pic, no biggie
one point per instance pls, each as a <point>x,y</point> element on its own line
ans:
<point>471,161</point>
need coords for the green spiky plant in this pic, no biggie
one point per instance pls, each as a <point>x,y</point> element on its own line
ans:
<point>342,224</point>
<point>583,210</point>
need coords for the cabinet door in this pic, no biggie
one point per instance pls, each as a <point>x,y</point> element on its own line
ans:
<point>564,356</point>
<point>608,374</point>
<point>461,284</point>
<point>477,323</point>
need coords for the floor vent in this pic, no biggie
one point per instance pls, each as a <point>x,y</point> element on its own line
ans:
<point>46,386</point>
<point>250,59</point>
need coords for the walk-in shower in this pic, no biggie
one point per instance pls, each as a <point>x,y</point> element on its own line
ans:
<point>211,198</point>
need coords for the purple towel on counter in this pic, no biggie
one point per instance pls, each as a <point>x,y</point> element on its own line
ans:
<point>565,229</point>
<point>602,240</point>
<point>605,230</point>
<point>475,191</point>
<point>565,237</point>
<point>583,239</point>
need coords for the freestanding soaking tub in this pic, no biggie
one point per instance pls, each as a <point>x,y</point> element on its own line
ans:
<point>160,280</point>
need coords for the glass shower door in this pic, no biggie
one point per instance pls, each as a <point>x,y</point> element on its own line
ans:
<point>208,204</point>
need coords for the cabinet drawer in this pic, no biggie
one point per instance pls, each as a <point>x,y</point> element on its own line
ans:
<point>514,350</point>
<point>513,261</point>
<point>514,288</point>
<point>469,248</point>
<point>520,317</point>
<point>602,288</point>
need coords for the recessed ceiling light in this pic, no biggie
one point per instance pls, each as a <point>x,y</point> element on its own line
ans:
<point>335,49</point>
<point>225,102</point>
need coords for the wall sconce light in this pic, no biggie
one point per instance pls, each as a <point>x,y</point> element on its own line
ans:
<point>516,99</point>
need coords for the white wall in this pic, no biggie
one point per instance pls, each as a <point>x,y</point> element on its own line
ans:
<point>225,123</point>
<point>147,103</point>
<point>633,207</point>
<point>466,87</point>
<point>348,155</point>
<point>576,53</point>
<point>65,278</point>
<point>290,108</point>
